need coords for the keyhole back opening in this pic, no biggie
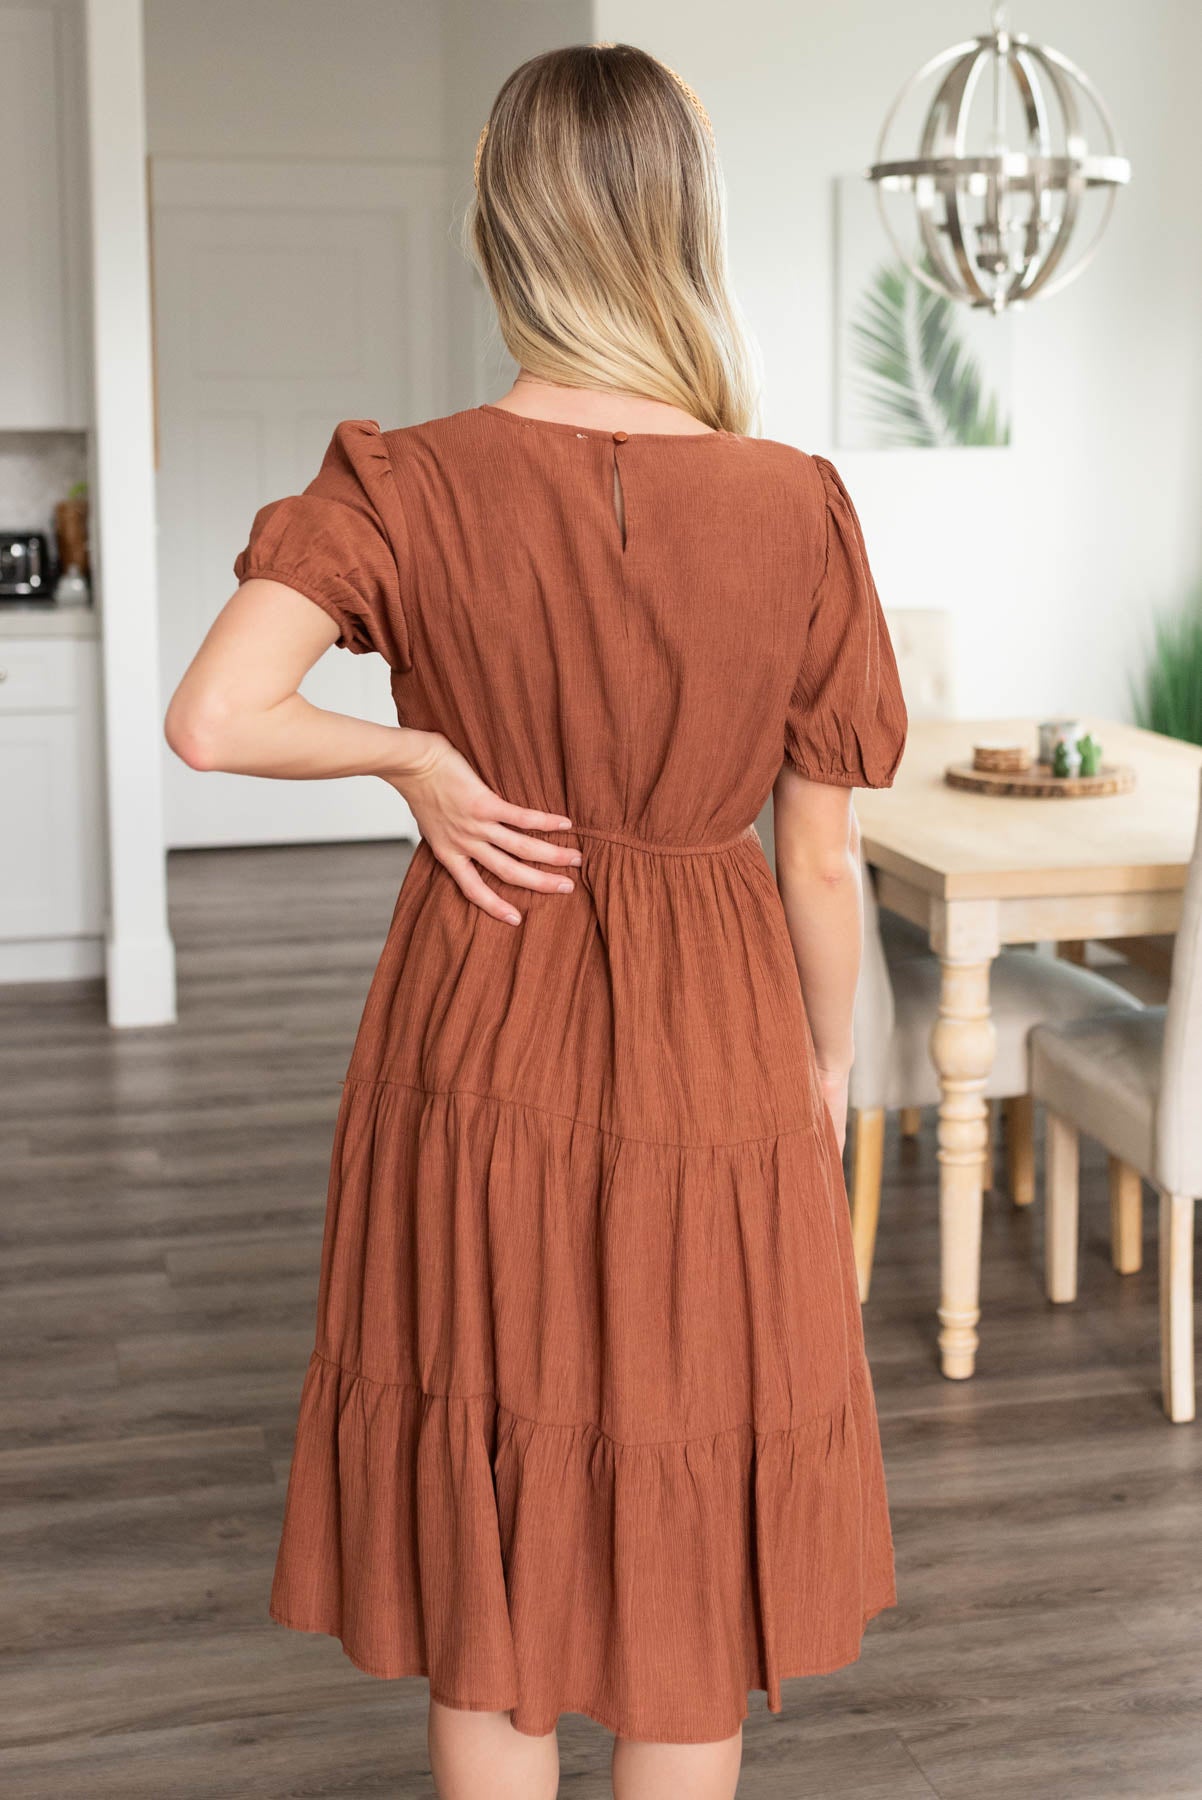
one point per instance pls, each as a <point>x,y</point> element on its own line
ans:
<point>619,505</point>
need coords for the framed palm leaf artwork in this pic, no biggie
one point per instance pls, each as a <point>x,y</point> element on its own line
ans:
<point>913,370</point>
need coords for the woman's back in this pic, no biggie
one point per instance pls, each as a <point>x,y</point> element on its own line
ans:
<point>634,684</point>
<point>644,673</point>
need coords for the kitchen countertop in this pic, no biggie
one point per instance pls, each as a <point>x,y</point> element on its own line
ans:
<point>18,621</point>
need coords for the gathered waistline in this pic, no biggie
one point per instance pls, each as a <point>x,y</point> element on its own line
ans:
<point>633,841</point>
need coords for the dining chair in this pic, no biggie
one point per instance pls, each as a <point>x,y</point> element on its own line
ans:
<point>1133,1081</point>
<point>897,1003</point>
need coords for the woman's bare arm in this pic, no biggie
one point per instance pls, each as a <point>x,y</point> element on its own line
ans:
<point>238,709</point>
<point>818,875</point>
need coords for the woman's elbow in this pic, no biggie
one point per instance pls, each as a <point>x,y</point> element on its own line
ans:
<point>828,866</point>
<point>194,729</point>
<point>836,867</point>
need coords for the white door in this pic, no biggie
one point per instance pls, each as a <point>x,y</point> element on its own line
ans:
<point>287,296</point>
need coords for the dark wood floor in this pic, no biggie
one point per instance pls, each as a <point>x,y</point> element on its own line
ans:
<point>160,1220</point>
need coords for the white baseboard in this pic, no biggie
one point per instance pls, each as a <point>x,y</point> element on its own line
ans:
<point>140,975</point>
<point>51,959</point>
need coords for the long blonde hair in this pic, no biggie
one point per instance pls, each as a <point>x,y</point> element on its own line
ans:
<point>598,226</point>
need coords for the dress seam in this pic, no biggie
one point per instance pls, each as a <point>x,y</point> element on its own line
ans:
<point>329,596</point>
<point>413,1087</point>
<point>815,1421</point>
<point>835,774</point>
<point>656,847</point>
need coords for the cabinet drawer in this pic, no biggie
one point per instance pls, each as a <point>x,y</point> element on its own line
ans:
<point>41,675</point>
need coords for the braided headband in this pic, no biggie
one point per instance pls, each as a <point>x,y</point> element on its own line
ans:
<point>689,93</point>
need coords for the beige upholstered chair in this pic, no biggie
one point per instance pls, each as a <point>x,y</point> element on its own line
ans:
<point>922,648</point>
<point>897,1001</point>
<point>1133,1081</point>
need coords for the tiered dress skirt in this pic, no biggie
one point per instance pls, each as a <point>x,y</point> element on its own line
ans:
<point>588,1426</point>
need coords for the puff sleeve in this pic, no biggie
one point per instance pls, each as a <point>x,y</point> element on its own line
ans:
<point>342,543</point>
<point>846,718</point>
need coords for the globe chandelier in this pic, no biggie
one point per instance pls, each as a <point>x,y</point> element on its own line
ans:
<point>1001,189</point>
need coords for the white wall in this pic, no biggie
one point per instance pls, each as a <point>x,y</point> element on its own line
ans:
<point>483,41</point>
<point>396,79</point>
<point>1051,555</point>
<point>311,78</point>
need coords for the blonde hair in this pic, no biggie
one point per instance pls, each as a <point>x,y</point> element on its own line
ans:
<point>598,226</point>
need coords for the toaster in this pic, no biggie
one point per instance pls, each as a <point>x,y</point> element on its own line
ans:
<point>25,571</point>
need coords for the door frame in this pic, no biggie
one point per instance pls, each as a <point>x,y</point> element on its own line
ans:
<point>139,954</point>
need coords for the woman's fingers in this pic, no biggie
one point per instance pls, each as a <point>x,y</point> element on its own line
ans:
<point>532,849</point>
<point>527,818</point>
<point>520,874</point>
<point>478,891</point>
<point>463,868</point>
<point>488,834</point>
<point>517,874</point>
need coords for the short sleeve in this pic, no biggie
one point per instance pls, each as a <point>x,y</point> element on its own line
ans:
<point>342,543</point>
<point>846,718</point>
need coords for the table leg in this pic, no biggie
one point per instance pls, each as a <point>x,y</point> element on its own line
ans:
<point>962,1046</point>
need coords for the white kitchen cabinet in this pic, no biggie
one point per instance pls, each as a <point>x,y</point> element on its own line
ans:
<point>43,297</point>
<point>51,845</point>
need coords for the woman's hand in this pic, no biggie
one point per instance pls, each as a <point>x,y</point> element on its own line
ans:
<point>465,823</point>
<point>238,708</point>
<point>834,1091</point>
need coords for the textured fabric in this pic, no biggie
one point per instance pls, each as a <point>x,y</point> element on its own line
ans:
<point>1103,1075</point>
<point>589,1426</point>
<point>846,721</point>
<point>341,543</point>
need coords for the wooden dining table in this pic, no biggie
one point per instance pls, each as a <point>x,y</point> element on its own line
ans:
<point>976,871</point>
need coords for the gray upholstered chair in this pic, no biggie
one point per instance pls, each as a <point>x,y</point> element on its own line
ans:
<point>1133,1081</point>
<point>897,1001</point>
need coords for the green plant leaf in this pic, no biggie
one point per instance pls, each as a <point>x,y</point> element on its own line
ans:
<point>919,384</point>
<point>1170,698</point>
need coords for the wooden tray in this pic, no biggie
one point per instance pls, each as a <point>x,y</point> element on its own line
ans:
<point>1038,782</point>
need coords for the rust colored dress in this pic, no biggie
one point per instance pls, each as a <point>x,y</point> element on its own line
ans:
<point>588,1426</point>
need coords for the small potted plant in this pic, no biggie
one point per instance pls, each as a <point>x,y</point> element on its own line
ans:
<point>1090,752</point>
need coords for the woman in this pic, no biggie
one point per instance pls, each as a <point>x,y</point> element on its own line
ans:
<point>588,1426</point>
